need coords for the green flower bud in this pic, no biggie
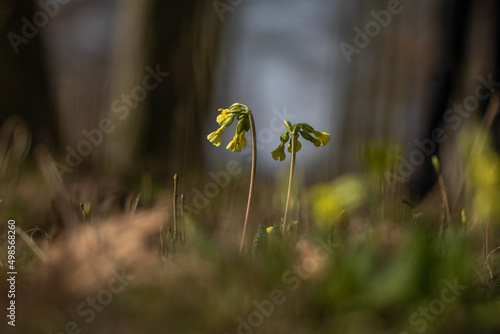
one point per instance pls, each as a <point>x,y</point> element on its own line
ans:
<point>307,127</point>
<point>238,108</point>
<point>306,136</point>
<point>310,138</point>
<point>285,136</point>
<point>243,125</point>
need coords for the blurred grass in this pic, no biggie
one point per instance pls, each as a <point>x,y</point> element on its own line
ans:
<point>383,267</point>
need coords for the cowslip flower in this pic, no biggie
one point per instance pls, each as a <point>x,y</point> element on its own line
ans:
<point>323,137</point>
<point>237,143</point>
<point>224,114</point>
<point>279,153</point>
<point>245,122</point>
<point>225,119</point>
<point>291,135</point>
<point>216,136</point>
<point>295,131</point>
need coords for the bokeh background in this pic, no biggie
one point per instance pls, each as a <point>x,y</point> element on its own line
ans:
<point>279,57</point>
<point>379,76</point>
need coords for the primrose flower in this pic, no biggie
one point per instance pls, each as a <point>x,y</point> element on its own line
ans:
<point>237,143</point>
<point>323,137</point>
<point>292,133</point>
<point>243,140</point>
<point>216,136</point>
<point>297,130</point>
<point>245,122</point>
<point>241,113</point>
<point>224,114</point>
<point>279,153</point>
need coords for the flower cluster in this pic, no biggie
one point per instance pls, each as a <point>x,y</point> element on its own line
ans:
<point>226,117</point>
<point>303,129</point>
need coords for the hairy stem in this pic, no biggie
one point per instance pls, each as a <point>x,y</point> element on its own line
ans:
<point>252,180</point>
<point>292,168</point>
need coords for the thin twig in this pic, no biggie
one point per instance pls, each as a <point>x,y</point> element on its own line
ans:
<point>133,206</point>
<point>174,198</point>
<point>36,250</point>
<point>444,195</point>
<point>486,247</point>
<point>488,257</point>
<point>183,222</point>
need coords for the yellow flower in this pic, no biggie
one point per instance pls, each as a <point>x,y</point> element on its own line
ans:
<point>242,139</point>
<point>224,113</point>
<point>323,137</point>
<point>234,145</point>
<point>216,136</point>
<point>269,229</point>
<point>237,143</point>
<point>279,153</point>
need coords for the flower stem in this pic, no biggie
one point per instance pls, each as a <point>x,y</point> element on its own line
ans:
<point>252,180</point>
<point>292,168</point>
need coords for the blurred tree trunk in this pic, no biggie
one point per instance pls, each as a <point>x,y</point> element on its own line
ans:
<point>178,38</point>
<point>24,85</point>
<point>449,71</point>
<point>399,86</point>
<point>186,38</point>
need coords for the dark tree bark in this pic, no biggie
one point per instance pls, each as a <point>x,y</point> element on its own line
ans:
<point>24,86</point>
<point>186,37</point>
<point>448,70</point>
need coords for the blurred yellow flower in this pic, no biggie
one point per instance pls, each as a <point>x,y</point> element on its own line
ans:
<point>279,153</point>
<point>332,200</point>
<point>323,137</point>
<point>216,136</point>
